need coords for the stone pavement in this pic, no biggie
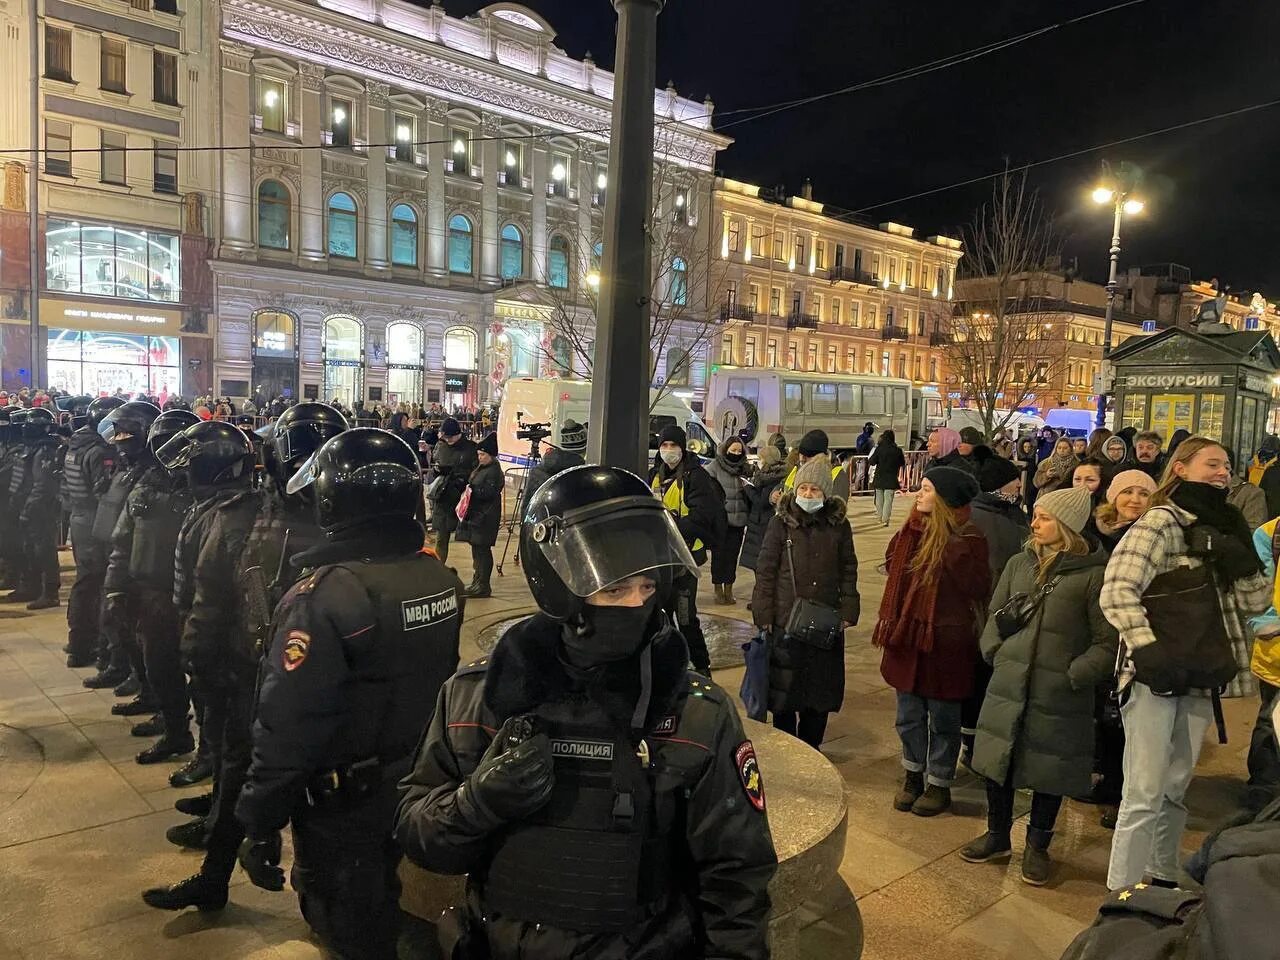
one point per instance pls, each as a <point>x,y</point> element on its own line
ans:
<point>82,825</point>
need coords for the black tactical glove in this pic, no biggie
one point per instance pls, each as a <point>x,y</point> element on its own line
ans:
<point>511,782</point>
<point>260,859</point>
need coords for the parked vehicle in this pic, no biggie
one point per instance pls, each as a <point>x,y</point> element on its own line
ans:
<point>1019,425</point>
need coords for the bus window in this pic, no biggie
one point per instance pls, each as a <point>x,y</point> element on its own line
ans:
<point>850,398</point>
<point>793,393</point>
<point>824,398</point>
<point>746,387</point>
<point>899,400</point>
<point>933,409</point>
<point>872,400</point>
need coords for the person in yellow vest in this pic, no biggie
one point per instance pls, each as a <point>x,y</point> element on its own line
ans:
<point>1264,758</point>
<point>815,444</point>
<point>693,497</point>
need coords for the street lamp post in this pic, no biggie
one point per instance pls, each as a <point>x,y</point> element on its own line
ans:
<point>1124,203</point>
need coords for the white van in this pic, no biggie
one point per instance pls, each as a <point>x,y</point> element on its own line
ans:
<point>926,410</point>
<point>546,400</point>
<point>1019,425</point>
<point>753,402</point>
<point>1075,423</point>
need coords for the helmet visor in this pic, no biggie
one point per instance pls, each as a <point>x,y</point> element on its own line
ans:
<point>598,545</point>
<point>175,453</point>
<point>305,475</point>
<point>303,439</point>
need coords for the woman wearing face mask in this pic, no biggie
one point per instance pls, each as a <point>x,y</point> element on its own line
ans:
<point>732,471</point>
<point>808,543</point>
<point>1036,727</point>
<point>1055,470</point>
<point>1164,733</point>
<point>938,583</point>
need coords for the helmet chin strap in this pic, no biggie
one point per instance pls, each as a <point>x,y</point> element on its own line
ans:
<point>641,712</point>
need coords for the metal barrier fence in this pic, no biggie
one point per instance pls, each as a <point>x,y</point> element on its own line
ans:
<point>861,473</point>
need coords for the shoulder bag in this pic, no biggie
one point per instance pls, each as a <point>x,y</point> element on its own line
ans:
<point>809,621</point>
<point>1017,611</point>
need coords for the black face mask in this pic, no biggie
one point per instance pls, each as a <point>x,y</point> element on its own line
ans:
<point>735,457</point>
<point>610,634</point>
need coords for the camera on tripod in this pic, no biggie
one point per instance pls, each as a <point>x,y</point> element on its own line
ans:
<point>535,433</point>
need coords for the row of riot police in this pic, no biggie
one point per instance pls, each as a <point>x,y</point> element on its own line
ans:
<point>31,465</point>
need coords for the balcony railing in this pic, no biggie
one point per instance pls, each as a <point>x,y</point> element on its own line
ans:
<point>850,275</point>
<point>807,321</point>
<point>894,333</point>
<point>736,311</point>
<point>939,339</point>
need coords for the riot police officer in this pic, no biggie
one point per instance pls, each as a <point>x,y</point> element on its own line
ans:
<point>602,798</point>
<point>255,571</point>
<point>86,477</point>
<point>12,466</point>
<point>40,511</point>
<point>19,457</point>
<point>139,585</point>
<point>361,645</point>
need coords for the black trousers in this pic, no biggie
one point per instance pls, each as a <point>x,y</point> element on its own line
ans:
<point>1108,751</point>
<point>972,707</point>
<point>482,563</point>
<point>1044,809</point>
<point>162,662</point>
<point>40,558</point>
<point>724,559</point>
<point>809,725</point>
<point>229,720</point>
<point>84,604</point>
<point>1264,758</point>
<point>685,590</point>
<point>11,537</point>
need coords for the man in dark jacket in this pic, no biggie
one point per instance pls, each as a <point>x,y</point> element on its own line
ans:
<point>866,440</point>
<point>573,444</point>
<point>696,503</point>
<point>40,514</point>
<point>451,464</point>
<point>603,801</point>
<point>1151,460</point>
<point>479,527</point>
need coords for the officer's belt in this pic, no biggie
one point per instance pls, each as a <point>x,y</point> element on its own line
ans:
<point>354,783</point>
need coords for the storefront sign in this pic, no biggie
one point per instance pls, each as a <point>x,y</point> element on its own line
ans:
<point>455,383</point>
<point>521,311</point>
<point>121,317</point>
<point>1257,383</point>
<point>1167,380</point>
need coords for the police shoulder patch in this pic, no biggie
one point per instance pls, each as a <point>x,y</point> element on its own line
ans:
<point>296,646</point>
<point>744,758</point>
<point>427,611</point>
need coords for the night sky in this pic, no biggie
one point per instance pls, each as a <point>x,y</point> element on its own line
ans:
<point>1213,192</point>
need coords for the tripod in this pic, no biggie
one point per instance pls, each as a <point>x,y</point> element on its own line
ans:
<point>512,525</point>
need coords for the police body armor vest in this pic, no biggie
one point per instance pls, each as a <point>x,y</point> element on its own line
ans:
<point>157,515</point>
<point>20,479</point>
<point>395,691</point>
<point>597,857</point>
<point>78,485</point>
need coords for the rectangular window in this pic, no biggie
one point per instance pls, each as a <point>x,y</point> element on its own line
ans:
<point>851,359</point>
<point>113,165</point>
<point>839,256</point>
<point>735,235</point>
<point>793,395</point>
<point>906,319</point>
<point>871,316</point>
<point>113,65</point>
<point>815,305</point>
<point>166,6</point>
<point>271,105</point>
<point>873,397</point>
<point>868,361</point>
<point>775,301</point>
<point>403,131</point>
<point>899,399</point>
<point>902,367</point>
<point>835,310</point>
<point>112,261</point>
<point>799,251</point>
<point>340,122</point>
<point>726,350</point>
<point>757,241</point>
<point>57,148</point>
<point>512,172</point>
<point>875,266</point>
<point>57,53</point>
<point>893,269</point>
<point>850,395</point>
<point>793,351</point>
<point>746,387</point>
<point>911,274</point>
<point>1135,411</point>
<point>771,360</point>
<point>165,168</point>
<point>820,255</point>
<point>823,398</point>
<point>561,174</point>
<point>833,358</point>
<point>753,292</point>
<point>164,78</point>
<point>99,363</point>
<point>749,354</point>
<point>933,369</point>
<point>779,247</point>
<point>854,319</point>
<point>460,150</point>
<point>813,356</point>
<point>886,363</point>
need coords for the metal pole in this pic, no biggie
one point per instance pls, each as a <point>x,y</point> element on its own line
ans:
<point>619,431</point>
<point>1111,305</point>
<point>33,203</point>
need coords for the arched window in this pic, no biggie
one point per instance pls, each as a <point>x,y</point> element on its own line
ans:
<point>275,353</point>
<point>597,255</point>
<point>679,281</point>
<point>404,363</point>
<point>512,244</point>
<point>404,236</point>
<point>342,226</point>
<point>343,360</point>
<point>460,349</point>
<point>558,263</point>
<point>273,215</point>
<point>459,244</point>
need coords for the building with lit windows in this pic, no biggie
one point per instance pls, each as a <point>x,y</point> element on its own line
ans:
<point>800,289</point>
<point>422,193</point>
<point>124,293</point>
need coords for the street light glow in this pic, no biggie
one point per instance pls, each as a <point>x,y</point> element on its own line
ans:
<point>339,115</point>
<point>1103,194</point>
<point>270,97</point>
<point>593,280</point>
<point>557,172</point>
<point>602,181</point>
<point>1132,206</point>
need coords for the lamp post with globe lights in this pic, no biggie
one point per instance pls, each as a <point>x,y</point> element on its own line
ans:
<point>1116,189</point>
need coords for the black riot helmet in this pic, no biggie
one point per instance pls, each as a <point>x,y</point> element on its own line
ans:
<point>37,423</point>
<point>101,407</point>
<point>167,425</point>
<point>358,475</point>
<point>9,431</point>
<point>212,452</point>
<point>302,430</point>
<point>127,426</point>
<point>589,527</point>
<point>175,403</point>
<point>78,407</point>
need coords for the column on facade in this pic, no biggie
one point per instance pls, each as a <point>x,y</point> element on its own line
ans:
<point>311,203</point>
<point>586,189</point>
<point>376,175</point>
<point>435,115</point>
<point>490,129</point>
<point>538,221</point>
<point>237,172</point>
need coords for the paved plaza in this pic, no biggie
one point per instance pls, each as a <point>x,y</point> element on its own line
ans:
<point>82,825</point>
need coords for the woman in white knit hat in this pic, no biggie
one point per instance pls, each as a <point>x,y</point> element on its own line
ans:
<point>1035,730</point>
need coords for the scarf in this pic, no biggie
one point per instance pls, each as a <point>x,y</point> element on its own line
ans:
<point>910,599</point>
<point>1236,559</point>
<point>1062,464</point>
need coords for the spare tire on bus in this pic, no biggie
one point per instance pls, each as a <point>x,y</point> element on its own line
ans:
<point>736,417</point>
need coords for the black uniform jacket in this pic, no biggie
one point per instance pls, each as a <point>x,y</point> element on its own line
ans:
<point>701,754</point>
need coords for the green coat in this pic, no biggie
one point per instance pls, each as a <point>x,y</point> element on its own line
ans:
<point>1037,718</point>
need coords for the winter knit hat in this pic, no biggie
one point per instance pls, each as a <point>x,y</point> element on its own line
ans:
<point>817,472</point>
<point>489,445</point>
<point>450,428</point>
<point>1070,506</point>
<point>813,443</point>
<point>948,440</point>
<point>673,434</point>
<point>1128,478</point>
<point>769,456</point>
<point>971,436</point>
<point>993,471</point>
<point>956,487</point>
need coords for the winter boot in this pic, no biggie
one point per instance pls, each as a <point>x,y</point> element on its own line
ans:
<point>167,747</point>
<point>131,686</point>
<point>933,801</point>
<point>137,707</point>
<point>45,601</point>
<point>19,596</point>
<point>729,598</point>
<point>478,591</point>
<point>1036,865</point>
<point>189,835</point>
<point>987,848</point>
<point>197,806</point>
<point>201,892</point>
<point>151,727</point>
<point>195,770</point>
<point>912,787</point>
<point>110,677</point>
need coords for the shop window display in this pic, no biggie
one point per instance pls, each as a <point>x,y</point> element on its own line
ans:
<point>87,362</point>
<point>112,261</point>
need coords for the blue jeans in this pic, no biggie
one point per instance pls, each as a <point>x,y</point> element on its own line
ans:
<point>884,504</point>
<point>1163,736</point>
<point>930,734</point>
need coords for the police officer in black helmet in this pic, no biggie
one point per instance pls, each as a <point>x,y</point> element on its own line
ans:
<point>86,477</point>
<point>361,646</point>
<point>40,511</point>
<point>602,799</point>
<point>10,539</point>
<point>256,570</point>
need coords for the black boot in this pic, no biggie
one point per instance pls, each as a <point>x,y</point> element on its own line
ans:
<point>110,677</point>
<point>199,891</point>
<point>198,806</point>
<point>168,747</point>
<point>131,686</point>
<point>19,596</point>
<point>77,660</point>
<point>151,727</point>
<point>44,602</point>
<point>988,847</point>
<point>1036,865</point>
<point>196,769</point>
<point>478,591</point>
<point>137,707</point>
<point>189,835</point>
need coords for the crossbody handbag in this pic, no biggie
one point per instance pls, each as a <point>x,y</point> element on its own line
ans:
<point>809,621</point>
<point>1016,612</point>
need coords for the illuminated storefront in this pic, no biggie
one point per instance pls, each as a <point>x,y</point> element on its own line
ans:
<point>275,354</point>
<point>96,349</point>
<point>405,365</point>
<point>112,261</point>
<point>343,360</point>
